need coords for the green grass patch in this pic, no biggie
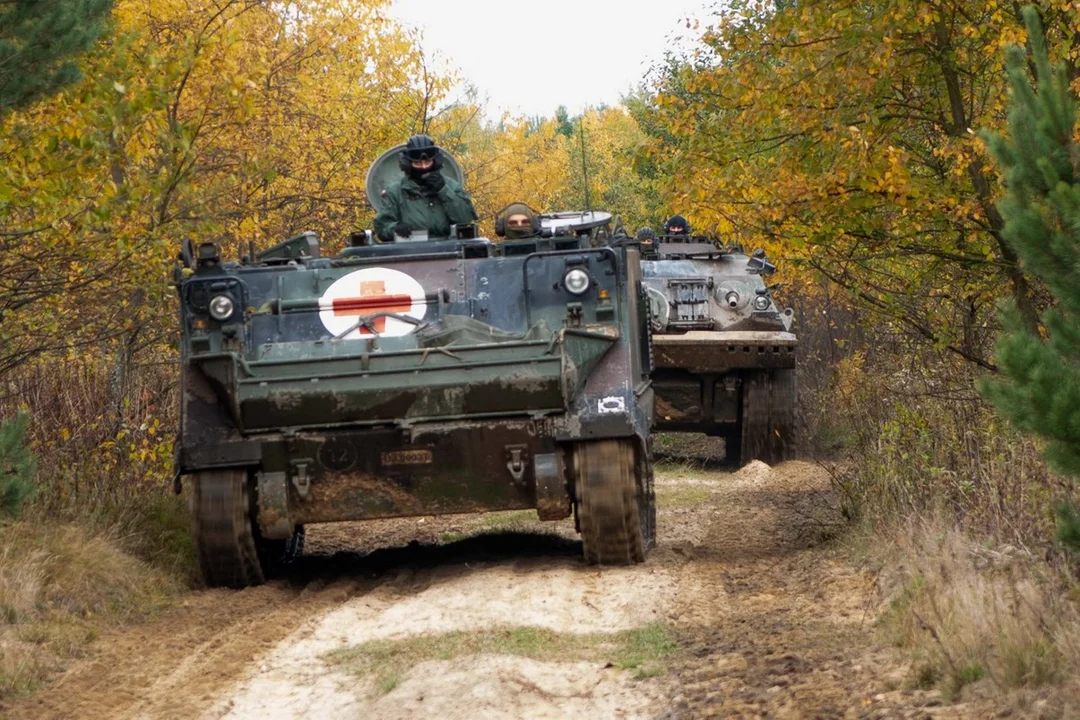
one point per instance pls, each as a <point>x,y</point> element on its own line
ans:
<point>676,496</point>
<point>642,650</point>
<point>157,529</point>
<point>508,519</point>
<point>525,522</point>
<point>970,673</point>
<point>492,522</point>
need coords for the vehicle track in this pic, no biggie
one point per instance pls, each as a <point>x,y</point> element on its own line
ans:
<point>770,621</point>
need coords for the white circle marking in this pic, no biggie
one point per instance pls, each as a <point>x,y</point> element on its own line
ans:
<point>368,292</point>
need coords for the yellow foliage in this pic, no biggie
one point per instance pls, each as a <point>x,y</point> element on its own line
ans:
<point>843,137</point>
<point>243,121</point>
<point>538,161</point>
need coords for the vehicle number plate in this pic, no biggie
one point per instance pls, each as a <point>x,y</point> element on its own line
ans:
<point>407,457</point>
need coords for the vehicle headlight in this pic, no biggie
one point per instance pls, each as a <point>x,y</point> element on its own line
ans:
<point>761,302</point>
<point>732,299</point>
<point>576,281</point>
<point>221,307</point>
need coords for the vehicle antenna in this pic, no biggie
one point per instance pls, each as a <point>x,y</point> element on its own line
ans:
<point>584,165</point>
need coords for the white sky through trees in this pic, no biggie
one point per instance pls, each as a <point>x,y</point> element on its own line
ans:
<point>527,58</point>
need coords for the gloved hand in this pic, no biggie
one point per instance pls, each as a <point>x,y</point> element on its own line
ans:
<point>433,181</point>
<point>402,229</point>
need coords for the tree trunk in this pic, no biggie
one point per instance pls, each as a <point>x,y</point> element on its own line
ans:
<point>1021,288</point>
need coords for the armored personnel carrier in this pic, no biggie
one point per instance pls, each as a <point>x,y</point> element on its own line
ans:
<point>723,352</point>
<point>410,379</point>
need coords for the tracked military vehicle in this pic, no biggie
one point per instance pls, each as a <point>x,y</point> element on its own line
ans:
<point>407,379</point>
<point>723,351</point>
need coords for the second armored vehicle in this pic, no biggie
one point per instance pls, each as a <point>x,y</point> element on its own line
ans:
<point>724,353</point>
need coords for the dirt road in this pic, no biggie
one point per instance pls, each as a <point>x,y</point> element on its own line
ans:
<point>741,611</point>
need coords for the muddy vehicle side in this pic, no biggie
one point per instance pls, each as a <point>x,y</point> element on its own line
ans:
<point>724,353</point>
<point>411,379</point>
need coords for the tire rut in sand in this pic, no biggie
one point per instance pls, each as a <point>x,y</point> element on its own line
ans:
<point>795,639</point>
<point>769,622</point>
<point>560,595</point>
<point>177,665</point>
<point>172,665</point>
<point>542,583</point>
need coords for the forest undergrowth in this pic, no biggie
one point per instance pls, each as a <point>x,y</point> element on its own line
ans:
<point>101,540</point>
<point>956,513</point>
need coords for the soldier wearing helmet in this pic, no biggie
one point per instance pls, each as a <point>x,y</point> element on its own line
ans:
<point>645,235</point>
<point>646,238</point>
<point>517,221</point>
<point>677,225</point>
<point>424,199</point>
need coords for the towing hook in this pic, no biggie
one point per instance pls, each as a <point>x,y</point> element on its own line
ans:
<point>515,463</point>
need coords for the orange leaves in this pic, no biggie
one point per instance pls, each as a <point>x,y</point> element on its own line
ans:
<point>841,132</point>
<point>230,120</point>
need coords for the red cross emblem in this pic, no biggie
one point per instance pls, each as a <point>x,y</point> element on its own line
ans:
<point>372,299</point>
<point>372,291</point>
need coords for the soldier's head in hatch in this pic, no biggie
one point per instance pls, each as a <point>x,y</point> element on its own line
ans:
<point>420,156</point>
<point>645,236</point>
<point>677,225</point>
<point>516,221</point>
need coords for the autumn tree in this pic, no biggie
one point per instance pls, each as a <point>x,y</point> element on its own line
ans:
<point>39,44</point>
<point>604,144</point>
<point>1040,391</point>
<point>539,161</point>
<point>235,120</point>
<point>841,135</point>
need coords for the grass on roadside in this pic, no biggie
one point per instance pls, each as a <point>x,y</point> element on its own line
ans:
<point>965,613</point>
<point>509,519</point>
<point>61,585</point>
<point>157,529</point>
<point>691,450</point>
<point>386,662</point>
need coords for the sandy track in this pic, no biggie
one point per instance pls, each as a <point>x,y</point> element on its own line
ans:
<point>769,622</point>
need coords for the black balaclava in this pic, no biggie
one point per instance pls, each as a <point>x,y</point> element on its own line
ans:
<point>420,147</point>
<point>677,221</point>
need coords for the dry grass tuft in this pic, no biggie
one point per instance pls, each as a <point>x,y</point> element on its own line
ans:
<point>60,587</point>
<point>690,450</point>
<point>970,616</point>
<point>961,507</point>
<point>925,444</point>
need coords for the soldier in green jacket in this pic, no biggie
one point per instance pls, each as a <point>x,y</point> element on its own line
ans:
<point>424,199</point>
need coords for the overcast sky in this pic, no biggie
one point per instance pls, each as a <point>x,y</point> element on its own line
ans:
<point>530,57</point>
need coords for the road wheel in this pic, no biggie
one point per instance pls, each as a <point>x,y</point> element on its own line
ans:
<point>614,504</point>
<point>221,525</point>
